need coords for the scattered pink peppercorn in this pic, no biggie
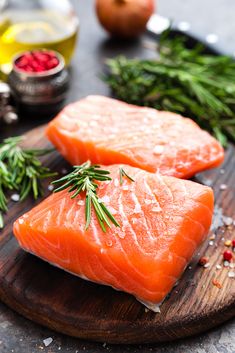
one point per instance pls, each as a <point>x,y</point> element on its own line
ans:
<point>203,260</point>
<point>37,61</point>
<point>227,255</point>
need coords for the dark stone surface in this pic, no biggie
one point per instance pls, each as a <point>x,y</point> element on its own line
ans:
<point>206,16</point>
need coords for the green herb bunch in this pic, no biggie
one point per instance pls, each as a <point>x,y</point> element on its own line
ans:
<point>21,171</point>
<point>181,80</point>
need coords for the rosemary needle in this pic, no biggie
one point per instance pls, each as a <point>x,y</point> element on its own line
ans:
<point>20,170</point>
<point>124,174</point>
<point>83,179</point>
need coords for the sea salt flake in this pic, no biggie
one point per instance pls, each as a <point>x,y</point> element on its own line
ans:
<point>15,197</point>
<point>231,274</point>
<point>226,263</point>
<point>211,242</point>
<point>21,221</point>
<point>218,267</point>
<point>48,341</point>
<point>50,187</point>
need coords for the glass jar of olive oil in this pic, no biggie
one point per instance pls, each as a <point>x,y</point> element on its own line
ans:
<point>31,24</point>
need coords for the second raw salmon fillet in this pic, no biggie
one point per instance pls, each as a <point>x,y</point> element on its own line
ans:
<point>108,131</point>
<point>163,220</point>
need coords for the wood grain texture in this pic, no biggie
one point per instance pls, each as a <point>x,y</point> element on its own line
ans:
<point>83,309</point>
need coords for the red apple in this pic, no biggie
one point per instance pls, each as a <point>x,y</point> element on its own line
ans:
<point>124,18</point>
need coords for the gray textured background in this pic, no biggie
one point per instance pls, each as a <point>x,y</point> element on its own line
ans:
<point>20,335</point>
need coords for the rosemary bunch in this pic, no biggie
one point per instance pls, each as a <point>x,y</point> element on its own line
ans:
<point>181,80</point>
<point>20,170</point>
<point>83,179</point>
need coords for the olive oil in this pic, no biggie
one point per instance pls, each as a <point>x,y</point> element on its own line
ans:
<point>22,30</point>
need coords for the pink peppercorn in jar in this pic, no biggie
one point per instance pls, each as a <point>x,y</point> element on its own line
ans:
<point>39,81</point>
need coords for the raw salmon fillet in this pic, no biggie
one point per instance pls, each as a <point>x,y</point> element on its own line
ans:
<point>163,220</point>
<point>107,131</point>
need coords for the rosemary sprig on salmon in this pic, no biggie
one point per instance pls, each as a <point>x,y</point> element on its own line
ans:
<point>124,174</point>
<point>20,170</point>
<point>83,179</point>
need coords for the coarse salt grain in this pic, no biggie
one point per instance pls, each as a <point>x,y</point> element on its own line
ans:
<point>226,263</point>
<point>21,221</point>
<point>223,187</point>
<point>48,341</point>
<point>228,221</point>
<point>207,265</point>
<point>158,149</point>
<point>81,202</point>
<point>15,197</point>
<point>125,187</point>
<point>218,267</point>
<point>231,274</point>
<point>50,187</point>
<point>211,242</point>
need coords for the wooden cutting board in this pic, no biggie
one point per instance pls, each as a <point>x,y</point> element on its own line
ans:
<point>83,309</point>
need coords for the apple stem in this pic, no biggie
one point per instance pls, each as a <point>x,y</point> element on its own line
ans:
<point>121,2</point>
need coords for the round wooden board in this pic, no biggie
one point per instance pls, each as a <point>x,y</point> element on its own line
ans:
<point>83,309</point>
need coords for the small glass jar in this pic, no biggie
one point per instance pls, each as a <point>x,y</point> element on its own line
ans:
<point>41,93</point>
<point>31,24</point>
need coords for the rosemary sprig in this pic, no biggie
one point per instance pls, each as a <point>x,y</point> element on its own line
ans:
<point>20,170</point>
<point>122,174</point>
<point>182,80</point>
<point>83,179</point>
